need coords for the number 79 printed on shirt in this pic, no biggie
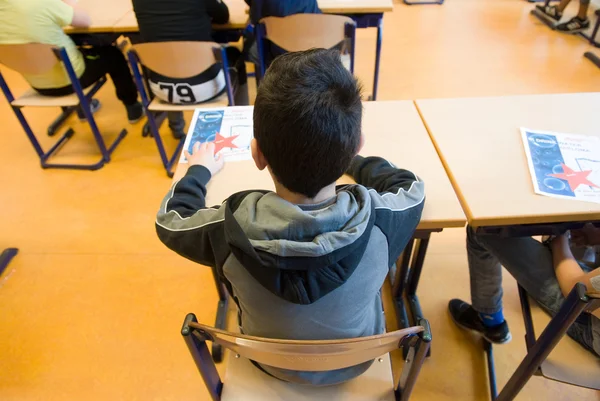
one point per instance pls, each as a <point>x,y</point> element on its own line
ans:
<point>231,130</point>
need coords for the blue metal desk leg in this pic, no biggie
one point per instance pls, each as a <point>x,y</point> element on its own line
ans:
<point>377,56</point>
<point>5,258</point>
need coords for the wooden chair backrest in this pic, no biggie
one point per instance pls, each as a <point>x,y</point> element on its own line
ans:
<point>177,59</point>
<point>300,32</point>
<point>28,58</point>
<point>299,355</point>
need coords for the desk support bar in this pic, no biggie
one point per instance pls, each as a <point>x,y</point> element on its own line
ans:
<point>5,257</point>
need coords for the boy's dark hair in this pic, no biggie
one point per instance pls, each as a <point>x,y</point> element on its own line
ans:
<point>307,119</point>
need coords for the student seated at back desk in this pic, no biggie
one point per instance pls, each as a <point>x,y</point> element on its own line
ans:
<point>274,8</point>
<point>189,20</point>
<point>547,271</point>
<point>578,23</point>
<point>42,21</point>
<point>307,261</point>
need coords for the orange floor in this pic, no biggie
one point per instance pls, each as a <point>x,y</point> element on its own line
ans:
<point>91,307</point>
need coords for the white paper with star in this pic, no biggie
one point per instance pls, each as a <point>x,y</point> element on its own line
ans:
<point>562,165</point>
<point>230,128</point>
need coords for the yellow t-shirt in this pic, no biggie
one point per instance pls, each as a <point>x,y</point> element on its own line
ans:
<point>41,21</point>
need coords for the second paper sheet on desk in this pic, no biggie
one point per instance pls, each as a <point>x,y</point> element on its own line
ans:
<point>229,128</point>
<point>563,165</point>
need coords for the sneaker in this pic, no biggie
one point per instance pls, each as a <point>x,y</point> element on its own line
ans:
<point>574,25</point>
<point>95,105</point>
<point>135,112</point>
<point>178,133</point>
<point>468,318</point>
<point>551,12</point>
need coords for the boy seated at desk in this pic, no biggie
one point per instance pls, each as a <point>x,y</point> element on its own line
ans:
<point>547,271</point>
<point>182,21</point>
<point>42,21</point>
<point>307,261</point>
<point>260,9</point>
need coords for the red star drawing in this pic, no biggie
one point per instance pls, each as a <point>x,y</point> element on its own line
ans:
<point>575,178</point>
<point>222,142</point>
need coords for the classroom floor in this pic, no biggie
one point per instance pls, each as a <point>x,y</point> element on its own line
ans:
<point>91,307</point>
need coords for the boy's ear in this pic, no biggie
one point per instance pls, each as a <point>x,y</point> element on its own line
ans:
<point>257,155</point>
<point>362,143</point>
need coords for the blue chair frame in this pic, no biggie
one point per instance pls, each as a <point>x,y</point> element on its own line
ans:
<point>155,120</point>
<point>84,103</point>
<point>261,37</point>
<point>538,350</point>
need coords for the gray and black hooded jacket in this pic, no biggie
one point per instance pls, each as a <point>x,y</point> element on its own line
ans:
<point>302,272</point>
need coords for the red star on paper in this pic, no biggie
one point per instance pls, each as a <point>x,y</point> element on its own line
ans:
<point>222,142</point>
<point>575,178</point>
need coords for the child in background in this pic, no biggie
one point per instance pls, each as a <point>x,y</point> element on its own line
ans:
<point>547,271</point>
<point>576,24</point>
<point>42,21</point>
<point>189,20</point>
<point>307,261</point>
<point>274,8</point>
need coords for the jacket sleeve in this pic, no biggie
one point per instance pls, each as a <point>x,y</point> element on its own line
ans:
<point>217,11</point>
<point>398,197</point>
<point>185,224</point>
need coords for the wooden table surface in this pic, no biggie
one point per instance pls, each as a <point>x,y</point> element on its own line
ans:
<point>393,130</point>
<point>479,141</point>
<point>118,15</point>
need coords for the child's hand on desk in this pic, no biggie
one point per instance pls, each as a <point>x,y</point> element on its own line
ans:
<point>203,154</point>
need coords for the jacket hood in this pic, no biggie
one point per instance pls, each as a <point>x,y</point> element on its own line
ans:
<point>300,252</point>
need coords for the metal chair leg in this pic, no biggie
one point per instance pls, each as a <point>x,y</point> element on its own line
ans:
<point>414,362</point>
<point>5,257</point>
<point>573,306</point>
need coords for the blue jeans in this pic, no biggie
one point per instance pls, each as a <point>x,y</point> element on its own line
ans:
<point>530,263</point>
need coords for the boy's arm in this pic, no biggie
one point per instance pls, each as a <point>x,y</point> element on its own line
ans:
<point>66,12</point>
<point>184,223</point>
<point>398,197</point>
<point>217,11</point>
<point>568,271</point>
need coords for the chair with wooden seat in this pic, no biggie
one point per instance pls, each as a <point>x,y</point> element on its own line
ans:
<point>301,32</point>
<point>552,355</point>
<point>244,381</point>
<point>178,60</point>
<point>37,58</point>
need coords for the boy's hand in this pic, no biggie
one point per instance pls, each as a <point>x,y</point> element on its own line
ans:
<point>203,154</point>
<point>588,235</point>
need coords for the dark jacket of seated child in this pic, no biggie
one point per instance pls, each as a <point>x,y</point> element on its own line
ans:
<point>308,261</point>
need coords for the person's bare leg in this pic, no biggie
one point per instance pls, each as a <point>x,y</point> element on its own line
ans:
<point>583,9</point>
<point>562,5</point>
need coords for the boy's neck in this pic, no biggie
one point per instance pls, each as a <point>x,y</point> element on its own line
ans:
<point>298,199</point>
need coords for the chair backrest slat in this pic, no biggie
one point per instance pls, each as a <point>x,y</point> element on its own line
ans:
<point>300,32</point>
<point>321,355</point>
<point>177,59</point>
<point>28,58</point>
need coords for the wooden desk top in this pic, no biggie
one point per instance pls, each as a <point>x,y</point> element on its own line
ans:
<point>480,144</point>
<point>238,18</point>
<point>118,15</point>
<point>104,14</point>
<point>405,143</point>
<point>355,6</point>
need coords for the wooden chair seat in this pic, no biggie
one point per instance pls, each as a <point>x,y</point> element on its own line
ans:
<point>569,362</point>
<point>245,382</point>
<point>31,98</point>
<point>158,105</point>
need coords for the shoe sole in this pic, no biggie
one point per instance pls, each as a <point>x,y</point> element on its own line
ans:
<point>505,341</point>
<point>93,112</point>
<point>575,32</point>
<point>137,119</point>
